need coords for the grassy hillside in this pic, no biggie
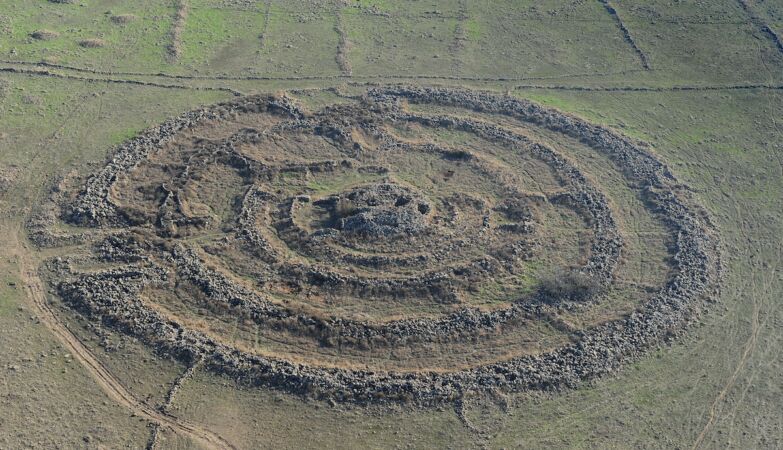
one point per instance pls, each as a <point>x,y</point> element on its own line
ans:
<point>709,104</point>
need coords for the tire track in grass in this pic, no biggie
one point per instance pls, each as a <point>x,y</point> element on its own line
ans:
<point>768,281</point>
<point>99,372</point>
<point>34,287</point>
<point>747,350</point>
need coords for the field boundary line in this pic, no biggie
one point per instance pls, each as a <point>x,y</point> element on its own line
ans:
<point>154,438</point>
<point>627,36</point>
<point>47,73</point>
<point>713,87</point>
<point>308,77</point>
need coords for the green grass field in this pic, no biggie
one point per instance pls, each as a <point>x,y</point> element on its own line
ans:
<point>709,105</point>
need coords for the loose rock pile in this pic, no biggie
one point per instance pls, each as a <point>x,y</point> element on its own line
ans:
<point>379,239</point>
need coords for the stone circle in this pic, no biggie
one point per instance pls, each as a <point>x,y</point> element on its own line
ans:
<point>408,245</point>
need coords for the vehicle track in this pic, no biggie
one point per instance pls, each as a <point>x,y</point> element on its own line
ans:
<point>750,345</point>
<point>99,372</point>
<point>748,348</point>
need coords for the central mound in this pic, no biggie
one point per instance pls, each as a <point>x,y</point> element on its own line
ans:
<point>412,244</point>
<point>378,211</point>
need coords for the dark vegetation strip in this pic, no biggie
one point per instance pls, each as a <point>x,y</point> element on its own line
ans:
<point>626,34</point>
<point>174,49</point>
<point>759,22</point>
<point>343,45</point>
<point>307,77</point>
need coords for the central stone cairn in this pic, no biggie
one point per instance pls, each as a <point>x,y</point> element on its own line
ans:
<point>413,245</point>
<point>378,211</point>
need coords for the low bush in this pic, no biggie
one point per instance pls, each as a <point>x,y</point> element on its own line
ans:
<point>569,285</point>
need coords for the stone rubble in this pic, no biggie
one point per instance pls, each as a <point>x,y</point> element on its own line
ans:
<point>113,296</point>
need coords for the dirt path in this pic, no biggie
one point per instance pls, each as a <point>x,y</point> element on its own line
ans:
<point>105,379</point>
